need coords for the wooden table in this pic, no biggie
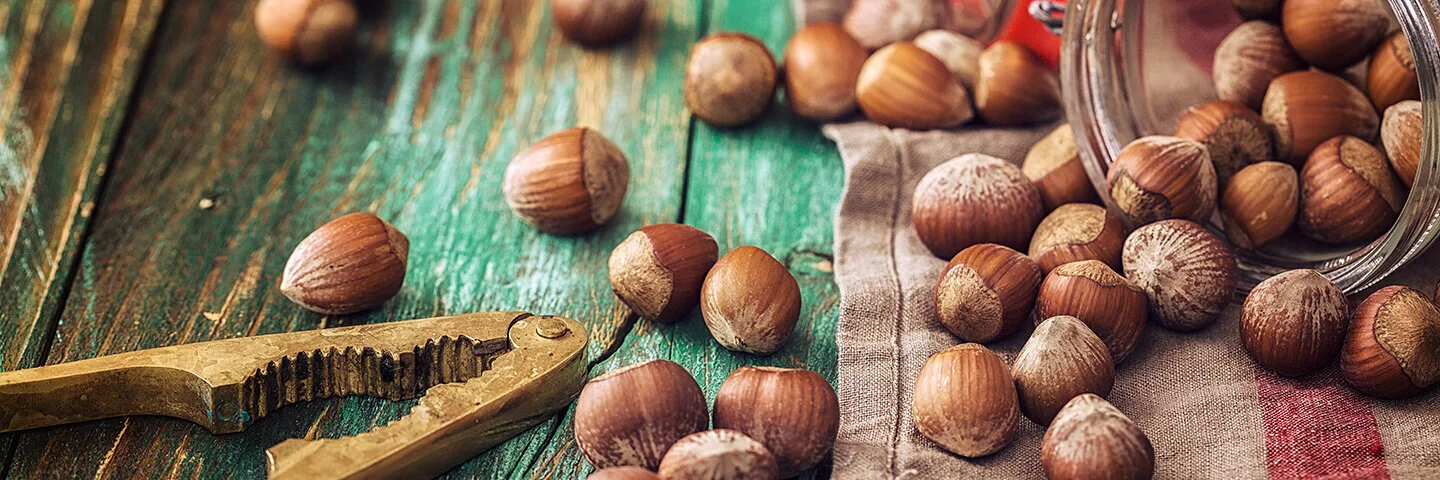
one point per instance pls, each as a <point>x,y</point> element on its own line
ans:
<point>159,164</point>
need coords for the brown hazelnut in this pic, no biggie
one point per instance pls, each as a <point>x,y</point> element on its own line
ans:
<point>1247,60</point>
<point>1392,77</point>
<point>351,264</point>
<point>1187,272</point>
<point>1260,203</point>
<point>308,32</point>
<point>965,401</point>
<point>961,54</point>
<point>793,412</point>
<point>1401,136</point>
<point>730,79</point>
<point>906,87</point>
<point>750,302</point>
<point>1257,9</point>
<point>1054,165</point>
<point>1112,306</point>
<point>1090,438</point>
<point>1335,34</point>
<point>718,455</point>
<point>1294,323</point>
<point>568,183</point>
<point>1393,347</point>
<point>1234,135</point>
<point>986,292</point>
<point>1075,232</point>
<point>877,23</point>
<point>597,22</point>
<point>1015,87</point>
<point>975,199</point>
<point>623,473</point>
<point>1308,108</point>
<point>1348,193</point>
<point>657,271</point>
<point>1155,178</point>
<point>1062,359</point>
<point>822,66</point>
<point>631,416</point>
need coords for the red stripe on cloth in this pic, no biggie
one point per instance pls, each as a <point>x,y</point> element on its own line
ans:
<point>1317,427</point>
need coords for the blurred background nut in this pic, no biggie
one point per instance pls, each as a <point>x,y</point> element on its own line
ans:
<point>793,412</point>
<point>986,292</point>
<point>1054,165</point>
<point>308,32</point>
<point>1392,77</point>
<point>1015,87</point>
<point>1308,108</point>
<point>730,79</point>
<point>1294,323</point>
<point>975,199</point>
<point>1348,193</point>
<point>1234,135</point>
<point>822,66</point>
<point>961,54</point>
<point>1090,438</point>
<point>1401,137</point>
<point>657,271</point>
<point>1260,203</point>
<point>965,401</point>
<point>906,87</point>
<point>1187,272</point>
<point>631,416</point>
<point>1335,34</point>
<point>1393,347</point>
<point>1062,359</point>
<point>718,455</point>
<point>1075,232</point>
<point>623,473</point>
<point>1156,178</point>
<point>568,183</point>
<point>598,22</point>
<point>1248,59</point>
<point>1112,306</point>
<point>877,23</point>
<point>750,302</point>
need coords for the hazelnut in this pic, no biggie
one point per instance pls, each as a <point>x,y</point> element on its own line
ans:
<point>877,23</point>
<point>631,416</point>
<point>986,292</point>
<point>750,302</point>
<point>1393,347</point>
<point>623,473</point>
<point>965,401</point>
<point>1234,135</point>
<point>1054,165</point>
<point>657,271</point>
<point>1256,9</point>
<point>1075,232</point>
<point>793,412</point>
<point>308,32</point>
<point>961,54</point>
<point>1015,87</point>
<point>1155,178</point>
<point>975,199</point>
<point>1092,439</point>
<point>1392,77</point>
<point>597,22</point>
<point>1348,192</point>
<point>718,455</point>
<point>1260,203</point>
<point>1112,306</point>
<point>822,66</point>
<point>1335,34</point>
<point>353,263</point>
<point>1308,108</point>
<point>1247,60</point>
<point>730,79</point>
<point>1187,272</point>
<point>903,86</point>
<point>568,183</point>
<point>1293,323</point>
<point>1401,137</point>
<point>1062,359</point>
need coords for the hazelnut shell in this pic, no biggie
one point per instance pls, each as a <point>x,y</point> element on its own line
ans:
<point>1062,359</point>
<point>719,455</point>
<point>1401,134</point>
<point>793,412</point>
<point>1348,193</point>
<point>1054,165</point>
<point>961,54</point>
<point>631,416</point>
<point>906,87</point>
<point>1090,438</point>
<point>658,270</point>
<point>1260,203</point>
<point>1248,59</point>
<point>623,473</point>
<point>598,22</point>
<point>308,32</point>
<point>730,79</point>
<point>1015,87</point>
<point>1234,135</point>
<point>822,66</point>
<point>1392,78</point>
<point>1113,307</point>
<point>1075,232</point>
<point>750,302</point>
<point>965,401</point>
<point>877,23</point>
<point>986,292</point>
<point>975,199</point>
<point>1187,272</point>
<point>1308,108</point>
<point>1393,347</point>
<point>1157,178</point>
<point>1335,34</point>
<point>1294,323</point>
<point>568,183</point>
<point>351,264</point>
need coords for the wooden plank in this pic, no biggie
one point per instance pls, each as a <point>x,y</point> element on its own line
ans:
<point>232,157</point>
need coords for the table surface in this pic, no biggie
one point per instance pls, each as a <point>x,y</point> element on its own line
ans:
<point>159,164</point>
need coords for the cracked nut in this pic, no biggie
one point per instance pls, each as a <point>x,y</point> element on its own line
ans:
<point>1187,272</point>
<point>1248,59</point>
<point>975,199</point>
<point>1062,359</point>
<point>961,54</point>
<point>1260,203</point>
<point>1309,108</point>
<point>1234,135</point>
<point>793,412</point>
<point>1015,87</point>
<point>1294,323</point>
<point>965,401</point>
<point>719,454</point>
<point>1348,193</point>
<point>598,22</point>
<point>1090,438</point>
<point>308,32</point>
<point>1401,136</point>
<point>1075,232</point>
<point>623,473</point>
<point>351,264</point>
<point>1392,77</point>
<point>1335,34</point>
<point>657,271</point>
<point>1157,178</point>
<point>1393,347</point>
<point>631,416</point>
<point>1054,165</point>
<point>906,87</point>
<point>730,79</point>
<point>750,301</point>
<point>822,66</point>
<point>1112,306</point>
<point>877,23</point>
<point>986,292</point>
<point>568,183</point>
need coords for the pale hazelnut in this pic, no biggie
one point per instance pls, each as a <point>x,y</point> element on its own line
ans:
<point>568,183</point>
<point>1234,135</point>
<point>1401,136</point>
<point>822,66</point>
<point>1393,347</point>
<point>1062,359</point>
<point>350,264</point>
<point>1157,178</point>
<point>623,473</point>
<point>597,22</point>
<point>718,455</point>
<point>1075,232</point>
<point>1187,272</point>
<point>750,302</point>
<point>906,87</point>
<point>1090,438</point>
<point>657,271</point>
<point>793,412</point>
<point>961,54</point>
<point>965,401</point>
<point>1248,59</point>
<point>1015,87</point>
<point>631,416</point>
<point>1054,165</point>
<point>1260,203</point>
<point>730,79</point>
<point>1112,306</point>
<point>1308,108</point>
<point>1392,77</point>
<point>1294,323</point>
<point>975,199</point>
<point>1335,34</point>
<point>1348,193</point>
<point>308,32</point>
<point>986,292</point>
<point>877,23</point>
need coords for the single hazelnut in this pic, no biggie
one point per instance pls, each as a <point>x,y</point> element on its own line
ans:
<point>718,455</point>
<point>730,79</point>
<point>793,412</point>
<point>822,66</point>
<point>986,292</point>
<point>877,23</point>
<point>1348,193</point>
<point>906,87</point>
<point>1054,165</point>
<point>1090,438</point>
<point>351,264</point>
<point>975,199</point>
<point>1294,323</point>
<point>1393,347</point>
<point>1187,272</point>
<point>1112,306</point>
<point>1260,203</point>
<point>750,302</point>
<point>1248,59</point>
<point>1308,108</point>
<point>961,54</point>
<point>308,32</point>
<point>1258,9</point>
<point>1392,77</point>
<point>965,401</point>
<point>1062,359</point>
<point>657,271</point>
<point>568,183</point>
<point>623,473</point>
<point>631,416</point>
<point>1234,135</point>
<point>1075,232</point>
<point>1401,136</point>
<point>597,22</point>
<point>1335,34</point>
<point>1015,87</point>
<point>1156,178</point>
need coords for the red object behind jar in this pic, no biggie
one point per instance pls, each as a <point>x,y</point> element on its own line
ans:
<point>1026,30</point>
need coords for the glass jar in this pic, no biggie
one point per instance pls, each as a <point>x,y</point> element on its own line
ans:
<point>1129,68</point>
